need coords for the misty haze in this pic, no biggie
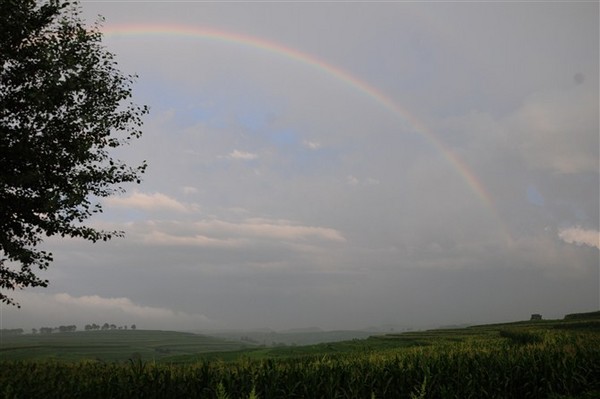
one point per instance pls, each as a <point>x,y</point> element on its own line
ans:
<point>344,166</point>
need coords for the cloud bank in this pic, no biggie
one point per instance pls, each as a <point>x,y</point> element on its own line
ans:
<point>281,193</point>
<point>51,310</point>
<point>579,236</point>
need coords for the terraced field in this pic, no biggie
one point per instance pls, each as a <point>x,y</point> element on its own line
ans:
<point>117,345</point>
<point>557,359</point>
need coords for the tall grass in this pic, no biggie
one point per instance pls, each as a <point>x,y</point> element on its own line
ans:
<point>555,363</point>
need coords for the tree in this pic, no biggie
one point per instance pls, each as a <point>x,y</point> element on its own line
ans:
<point>64,106</point>
<point>64,329</point>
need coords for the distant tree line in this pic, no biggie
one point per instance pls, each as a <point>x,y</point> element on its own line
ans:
<point>65,329</point>
<point>50,330</point>
<point>106,326</point>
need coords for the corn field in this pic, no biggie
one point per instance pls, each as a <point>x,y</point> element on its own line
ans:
<point>558,365</point>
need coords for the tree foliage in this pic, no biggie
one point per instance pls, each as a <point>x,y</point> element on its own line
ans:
<point>64,106</point>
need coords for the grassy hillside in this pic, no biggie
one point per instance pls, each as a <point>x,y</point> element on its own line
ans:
<point>288,338</point>
<point>515,332</point>
<point>179,347</point>
<point>588,315</point>
<point>558,359</point>
<point>114,345</point>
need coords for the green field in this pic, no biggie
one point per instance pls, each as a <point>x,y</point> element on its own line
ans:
<point>112,345</point>
<point>557,359</point>
<point>291,338</point>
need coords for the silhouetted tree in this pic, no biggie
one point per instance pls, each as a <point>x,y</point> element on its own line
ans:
<point>64,329</point>
<point>64,106</point>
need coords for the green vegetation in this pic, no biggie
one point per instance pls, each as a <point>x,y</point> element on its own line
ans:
<point>538,359</point>
<point>585,316</point>
<point>109,346</point>
<point>64,109</point>
<point>292,337</point>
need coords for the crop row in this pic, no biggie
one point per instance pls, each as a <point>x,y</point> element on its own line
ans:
<point>499,369</point>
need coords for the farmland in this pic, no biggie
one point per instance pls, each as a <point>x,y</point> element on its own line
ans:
<point>542,359</point>
<point>110,346</point>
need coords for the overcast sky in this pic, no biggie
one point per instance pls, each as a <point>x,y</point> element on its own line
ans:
<point>345,165</point>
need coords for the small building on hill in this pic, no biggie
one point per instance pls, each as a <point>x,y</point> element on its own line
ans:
<point>536,316</point>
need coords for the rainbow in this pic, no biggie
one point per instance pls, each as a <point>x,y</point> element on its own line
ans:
<point>364,88</point>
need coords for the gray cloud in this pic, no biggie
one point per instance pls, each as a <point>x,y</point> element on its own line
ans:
<point>41,309</point>
<point>280,195</point>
